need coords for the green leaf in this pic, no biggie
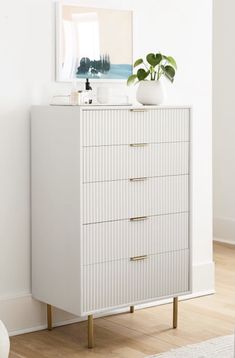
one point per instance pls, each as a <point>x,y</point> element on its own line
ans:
<point>158,57</point>
<point>154,60</point>
<point>138,62</point>
<point>142,74</point>
<point>172,61</point>
<point>169,72</point>
<point>131,79</point>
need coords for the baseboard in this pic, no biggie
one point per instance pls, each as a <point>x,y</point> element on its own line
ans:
<point>22,314</point>
<point>224,241</point>
<point>224,230</point>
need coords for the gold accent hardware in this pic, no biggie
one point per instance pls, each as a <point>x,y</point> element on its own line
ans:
<point>175,312</point>
<point>138,144</point>
<point>138,109</point>
<point>49,317</point>
<point>139,218</point>
<point>90,332</point>
<point>139,258</point>
<point>138,179</point>
<point>132,309</point>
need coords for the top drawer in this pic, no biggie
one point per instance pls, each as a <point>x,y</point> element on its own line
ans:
<point>125,126</point>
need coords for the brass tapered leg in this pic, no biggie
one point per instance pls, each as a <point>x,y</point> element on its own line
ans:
<point>49,317</point>
<point>90,332</point>
<point>175,312</point>
<point>132,309</point>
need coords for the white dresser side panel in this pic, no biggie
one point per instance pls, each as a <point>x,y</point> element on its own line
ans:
<point>56,207</point>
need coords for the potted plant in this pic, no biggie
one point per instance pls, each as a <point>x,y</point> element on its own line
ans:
<point>151,90</point>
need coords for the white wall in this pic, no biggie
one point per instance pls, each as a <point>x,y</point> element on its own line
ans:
<point>180,28</point>
<point>224,120</point>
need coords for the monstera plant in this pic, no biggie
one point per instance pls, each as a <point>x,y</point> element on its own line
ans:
<point>149,73</point>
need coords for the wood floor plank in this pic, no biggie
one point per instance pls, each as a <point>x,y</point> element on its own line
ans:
<point>146,331</point>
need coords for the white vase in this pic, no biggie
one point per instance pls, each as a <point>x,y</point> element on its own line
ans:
<point>151,92</point>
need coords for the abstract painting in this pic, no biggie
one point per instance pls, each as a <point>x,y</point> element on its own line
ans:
<point>93,43</point>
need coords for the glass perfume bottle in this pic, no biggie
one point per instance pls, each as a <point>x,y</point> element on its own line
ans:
<point>89,92</point>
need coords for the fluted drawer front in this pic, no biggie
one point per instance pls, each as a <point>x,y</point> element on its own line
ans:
<point>122,282</point>
<point>115,200</point>
<point>123,126</point>
<point>122,239</point>
<point>125,161</point>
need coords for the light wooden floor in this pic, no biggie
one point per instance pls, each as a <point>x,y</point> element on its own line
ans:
<point>146,331</point>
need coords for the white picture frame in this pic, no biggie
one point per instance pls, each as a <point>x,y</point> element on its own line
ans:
<point>68,71</point>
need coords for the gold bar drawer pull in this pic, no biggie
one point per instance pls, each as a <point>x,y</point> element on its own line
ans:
<point>138,144</point>
<point>139,218</point>
<point>138,110</point>
<point>138,179</point>
<point>139,258</point>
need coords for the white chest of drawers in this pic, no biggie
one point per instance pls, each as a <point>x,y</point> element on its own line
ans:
<point>110,206</point>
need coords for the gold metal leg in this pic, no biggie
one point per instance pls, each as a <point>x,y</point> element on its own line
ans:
<point>132,309</point>
<point>90,332</point>
<point>175,312</point>
<point>49,317</point>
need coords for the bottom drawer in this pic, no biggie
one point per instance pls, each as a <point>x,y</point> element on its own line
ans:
<point>115,283</point>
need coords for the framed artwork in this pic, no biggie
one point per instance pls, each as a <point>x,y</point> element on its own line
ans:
<point>93,43</point>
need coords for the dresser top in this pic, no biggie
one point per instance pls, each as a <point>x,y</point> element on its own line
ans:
<point>129,107</point>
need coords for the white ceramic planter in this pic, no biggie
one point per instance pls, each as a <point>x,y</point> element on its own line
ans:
<point>151,93</point>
